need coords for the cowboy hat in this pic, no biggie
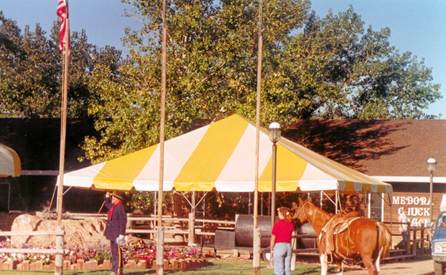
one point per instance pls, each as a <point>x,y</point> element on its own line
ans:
<point>118,195</point>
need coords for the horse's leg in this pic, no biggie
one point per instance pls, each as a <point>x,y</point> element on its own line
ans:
<point>368,263</point>
<point>324,264</point>
<point>340,267</point>
<point>377,261</point>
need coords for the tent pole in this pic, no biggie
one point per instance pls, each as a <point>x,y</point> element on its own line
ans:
<point>382,206</point>
<point>261,204</point>
<point>320,199</point>
<point>9,196</point>
<point>369,205</point>
<point>188,201</point>
<point>191,238</point>
<point>336,201</point>
<point>155,203</point>
<point>249,203</point>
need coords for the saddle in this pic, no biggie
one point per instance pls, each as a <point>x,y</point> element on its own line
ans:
<point>337,224</point>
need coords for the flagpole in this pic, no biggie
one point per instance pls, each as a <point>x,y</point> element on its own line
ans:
<point>256,230</point>
<point>63,131</point>
<point>160,231</point>
<point>62,12</point>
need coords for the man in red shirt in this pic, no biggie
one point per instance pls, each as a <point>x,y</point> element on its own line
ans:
<point>281,242</point>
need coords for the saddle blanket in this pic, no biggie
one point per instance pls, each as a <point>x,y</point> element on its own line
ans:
<point>334,226</point>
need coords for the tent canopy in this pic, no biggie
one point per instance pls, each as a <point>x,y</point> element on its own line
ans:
<point>221,155</point>
<point>9,162</point>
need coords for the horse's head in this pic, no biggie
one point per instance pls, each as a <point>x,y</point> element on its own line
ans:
<point>303,211</point>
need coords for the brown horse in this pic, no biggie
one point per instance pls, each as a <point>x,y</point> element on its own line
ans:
<point>364,239</point>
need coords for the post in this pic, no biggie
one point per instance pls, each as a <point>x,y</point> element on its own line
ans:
<point>9,196</point>
<point>431,180</point>
<point>249,203</point>
<point>160,231</point>
<point>408,239</point>
<point>369,205</point>
<point>382,207</point>
<point>422,239</point>
<point>191,239</point>
<point>320,199</point>
<point>293,248</point>
<point>414,243</point>
<point>256,230</point>
<point>336,201</point>
<point>274,136</point>
<point>261,203</point>
<point>63,133</point>
<point>273,189</point>
<point>431,163</point>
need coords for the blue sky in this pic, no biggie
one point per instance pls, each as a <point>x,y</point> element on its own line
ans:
<point>418,26</point>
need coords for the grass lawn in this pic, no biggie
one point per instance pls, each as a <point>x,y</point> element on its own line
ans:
<point>220,267</point>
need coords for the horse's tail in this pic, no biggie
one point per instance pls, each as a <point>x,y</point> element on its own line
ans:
<point>384,239</point>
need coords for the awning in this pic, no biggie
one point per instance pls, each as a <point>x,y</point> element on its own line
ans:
<point>221,156</point>
<point>9,162</point>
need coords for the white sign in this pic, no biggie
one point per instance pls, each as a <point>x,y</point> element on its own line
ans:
<point>418,208</point>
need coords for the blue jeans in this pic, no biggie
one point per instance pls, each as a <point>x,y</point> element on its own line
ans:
<point>282,259</point>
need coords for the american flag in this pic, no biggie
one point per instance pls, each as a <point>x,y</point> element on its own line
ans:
<point>64,32</point>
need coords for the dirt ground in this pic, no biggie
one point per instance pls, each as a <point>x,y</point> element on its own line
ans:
<point>414,267</point>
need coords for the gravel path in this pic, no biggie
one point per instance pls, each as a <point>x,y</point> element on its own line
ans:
<point>420,267</point>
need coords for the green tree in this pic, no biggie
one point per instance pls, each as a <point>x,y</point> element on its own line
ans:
<point>212,57</point>
<point>333,68</point>
<point>30,71</point>
<point>313,67</point>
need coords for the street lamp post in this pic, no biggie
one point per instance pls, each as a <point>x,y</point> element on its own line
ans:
<point>274,135</point>
<point>431,162</point>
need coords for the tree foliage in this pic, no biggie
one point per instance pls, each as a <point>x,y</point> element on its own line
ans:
<point>30,71</point>
<point>312,67</point>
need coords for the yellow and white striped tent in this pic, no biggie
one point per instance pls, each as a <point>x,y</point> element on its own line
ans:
<point>9,162</point>
<point>221,155</point>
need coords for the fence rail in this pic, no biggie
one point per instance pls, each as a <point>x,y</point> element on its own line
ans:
<point>419,236</point>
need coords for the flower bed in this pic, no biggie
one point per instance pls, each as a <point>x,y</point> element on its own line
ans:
<point>138,255</point>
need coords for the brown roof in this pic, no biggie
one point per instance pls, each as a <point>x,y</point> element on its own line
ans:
<point>377,147</point>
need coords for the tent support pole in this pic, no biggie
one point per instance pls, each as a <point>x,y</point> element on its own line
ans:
<point>66,191</point>
<point>261,204</point>
<point>336,201</point>
<point>188,201</point>
<point>249,203</point>
<point>9,196</point>
<point>381,195</point>
<point>328,197</point>
<point>320,199</point>
<point>369,204</point>
<point>191,222</point>
<point>191,235</point>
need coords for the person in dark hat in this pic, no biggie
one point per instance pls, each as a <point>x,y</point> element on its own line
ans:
<point>115,229</point>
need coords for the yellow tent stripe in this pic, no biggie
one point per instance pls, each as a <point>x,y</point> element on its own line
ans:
<point>118,174</point>
<point>290,168</point>
<point>212,153</point>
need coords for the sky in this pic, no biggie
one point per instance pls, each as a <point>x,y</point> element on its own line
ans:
<point>418,26</point>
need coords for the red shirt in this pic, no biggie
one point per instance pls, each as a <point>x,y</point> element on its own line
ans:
<point>282,230</point>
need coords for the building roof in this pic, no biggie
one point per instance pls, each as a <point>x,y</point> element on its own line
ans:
<point>398,148</point>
